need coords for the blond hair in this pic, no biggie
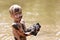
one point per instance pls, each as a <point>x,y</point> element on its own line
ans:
<point>13,7</point>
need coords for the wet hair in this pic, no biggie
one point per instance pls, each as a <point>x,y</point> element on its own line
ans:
<point>15,8</point>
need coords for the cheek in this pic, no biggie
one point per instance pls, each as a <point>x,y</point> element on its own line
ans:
<point>12,16</point>
<point>16,16</point>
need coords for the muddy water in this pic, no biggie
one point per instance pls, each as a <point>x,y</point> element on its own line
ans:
<point>46,12</point>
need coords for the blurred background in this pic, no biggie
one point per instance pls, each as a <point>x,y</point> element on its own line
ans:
<point>45,12</point>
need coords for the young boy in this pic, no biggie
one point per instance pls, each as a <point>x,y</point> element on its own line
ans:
<point>18,27</point>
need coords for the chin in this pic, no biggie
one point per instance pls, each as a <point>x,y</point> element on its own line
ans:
<point>18,20</point>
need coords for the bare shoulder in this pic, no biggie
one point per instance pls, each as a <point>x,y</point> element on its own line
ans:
<point>15,26</point>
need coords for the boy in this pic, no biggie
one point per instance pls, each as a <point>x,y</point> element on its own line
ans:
<point>19,30</point>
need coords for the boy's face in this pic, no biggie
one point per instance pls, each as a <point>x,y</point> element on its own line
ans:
<point>17,16</point>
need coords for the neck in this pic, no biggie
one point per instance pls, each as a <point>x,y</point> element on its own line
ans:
<point>17,21</point>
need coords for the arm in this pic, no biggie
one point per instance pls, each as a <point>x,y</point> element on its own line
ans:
<point>34,29</point>
<point>18,31</point>
<point>26,33</point>
<point>21,33</point>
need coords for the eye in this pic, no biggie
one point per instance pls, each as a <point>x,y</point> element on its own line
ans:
<point>16,10</point>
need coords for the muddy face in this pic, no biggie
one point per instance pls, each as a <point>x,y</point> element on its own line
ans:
<point>17,16</point>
